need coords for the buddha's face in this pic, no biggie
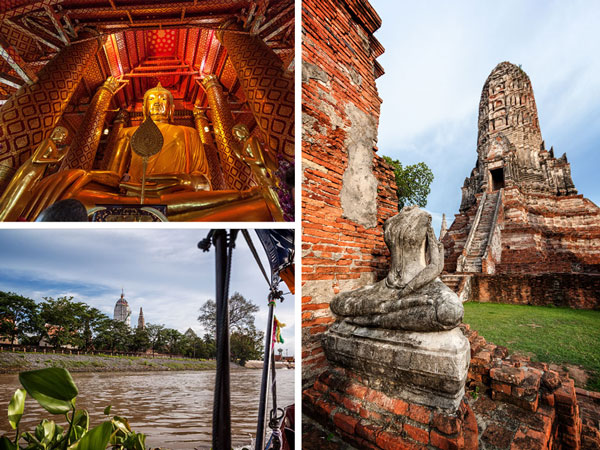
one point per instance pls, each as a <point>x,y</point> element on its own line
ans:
<point>158,104</point>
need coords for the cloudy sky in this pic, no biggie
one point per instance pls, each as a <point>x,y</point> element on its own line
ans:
<point>162,271</point>
<point>437,57</point>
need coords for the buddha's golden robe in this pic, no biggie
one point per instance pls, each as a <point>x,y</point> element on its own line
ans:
<point>182,152</point>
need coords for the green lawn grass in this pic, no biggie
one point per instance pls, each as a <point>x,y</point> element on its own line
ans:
<point>549,334</point>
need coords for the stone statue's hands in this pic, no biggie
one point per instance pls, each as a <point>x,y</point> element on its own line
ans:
<point>408,289</point>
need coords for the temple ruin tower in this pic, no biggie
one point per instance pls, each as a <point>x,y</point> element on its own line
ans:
<point>520,211</point>
<point>444,227</point>
<point>122,310</point>
<point>141,321</point>
<point>510,149</point>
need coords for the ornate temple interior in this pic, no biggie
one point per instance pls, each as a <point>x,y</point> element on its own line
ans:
<point>131,110</point>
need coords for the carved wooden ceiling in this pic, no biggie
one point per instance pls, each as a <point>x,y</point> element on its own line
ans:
<point>146,42</point>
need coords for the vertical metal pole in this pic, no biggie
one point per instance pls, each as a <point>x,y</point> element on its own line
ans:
<point>221,407</point>
<point>260,429</point>
<point>273,381</point>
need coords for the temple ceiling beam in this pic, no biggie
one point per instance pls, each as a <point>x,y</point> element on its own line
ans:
<point>151,24</point>
<point>31,34</point>
<point>14,59</point>
<point>33,5</point>
<point>56,22</point>
<point>42,28</point>
<point>173,8</point>
<point>10,80</point>
<point>288,10</point>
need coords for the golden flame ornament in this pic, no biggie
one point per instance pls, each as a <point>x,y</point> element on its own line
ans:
<point>147,141</point>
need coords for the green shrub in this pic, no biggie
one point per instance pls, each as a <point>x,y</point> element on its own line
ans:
<point>55,391</point>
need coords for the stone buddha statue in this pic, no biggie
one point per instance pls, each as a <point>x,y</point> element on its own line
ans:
<point>177,176</point>
<point>411,297</point>
<point>401,334</point>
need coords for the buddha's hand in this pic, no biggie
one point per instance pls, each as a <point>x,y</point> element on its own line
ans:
<point>105,177</point>
<point>195,182</point>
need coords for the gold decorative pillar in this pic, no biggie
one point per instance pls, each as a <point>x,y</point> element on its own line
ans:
<point>82,151</point>
<point>30,115</point>
<point>268,88</point>
<point>120,121</point>
<point>214,165</point>
<point>237,174</point>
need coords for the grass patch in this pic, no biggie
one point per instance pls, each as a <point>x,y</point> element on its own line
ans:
<point>552,335</point>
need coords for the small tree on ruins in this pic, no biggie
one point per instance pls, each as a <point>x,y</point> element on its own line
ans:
<point>413,182</point>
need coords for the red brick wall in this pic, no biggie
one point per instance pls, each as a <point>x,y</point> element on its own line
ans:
<point>339,72</point>
<point>580,291</point>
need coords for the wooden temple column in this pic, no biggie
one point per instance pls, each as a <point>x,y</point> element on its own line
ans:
<point>119,122</point>
<point>269,89</point>
<point>30,115</point>
<point>83,148</point>
<point>214,165</point>
<point>236,173</point>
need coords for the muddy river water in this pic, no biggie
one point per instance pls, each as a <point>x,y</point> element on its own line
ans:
<point>173,409</point>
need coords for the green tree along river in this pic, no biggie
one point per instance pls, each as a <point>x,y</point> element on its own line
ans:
<point>173,409</point>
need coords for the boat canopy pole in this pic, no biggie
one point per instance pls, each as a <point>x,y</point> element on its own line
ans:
<point>224,243</point>
<point>273,295</point>
<point>262,407</point>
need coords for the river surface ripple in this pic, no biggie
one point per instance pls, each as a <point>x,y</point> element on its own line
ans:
<point>173,409</point>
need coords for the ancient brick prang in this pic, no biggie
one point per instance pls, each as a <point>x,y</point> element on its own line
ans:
<point>510,149</point>
<point>520,211</point>
<point>348,190</point>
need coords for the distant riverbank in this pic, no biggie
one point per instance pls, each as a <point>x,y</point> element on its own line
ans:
<point>13,362</point>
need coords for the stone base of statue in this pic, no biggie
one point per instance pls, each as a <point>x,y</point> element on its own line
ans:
<point>425,368</point>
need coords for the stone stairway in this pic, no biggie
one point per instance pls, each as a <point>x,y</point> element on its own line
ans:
<point>481,236</point>
<point>459,283</point>
<point>452,281</point>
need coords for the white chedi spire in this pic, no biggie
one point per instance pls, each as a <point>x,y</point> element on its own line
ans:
<point>122,310</point>
<point>444,227</point>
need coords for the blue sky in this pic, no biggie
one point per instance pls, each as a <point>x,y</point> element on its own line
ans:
<point>162,271</point>
<point>437,57</point>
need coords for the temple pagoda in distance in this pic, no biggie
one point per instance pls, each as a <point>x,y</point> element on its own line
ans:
<point>522,234</point>
<point>122,310</point>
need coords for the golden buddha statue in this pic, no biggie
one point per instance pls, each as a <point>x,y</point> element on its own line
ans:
<point>177,176</point>
<point>262,164</point>
<point>50,151</point>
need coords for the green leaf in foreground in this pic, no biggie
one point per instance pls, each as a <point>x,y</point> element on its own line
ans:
<point>107,410</point>
<point>6,444</point>
<point>45,431</point>
<point>53,388</point>
<point>16,407</point>
<point>96,439</point>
